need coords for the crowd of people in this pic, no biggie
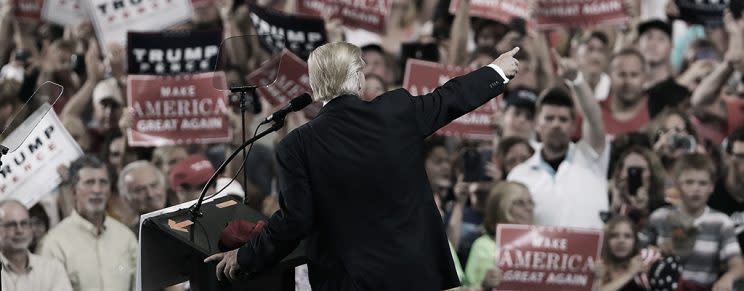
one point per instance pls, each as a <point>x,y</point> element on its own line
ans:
<point>636,129</point>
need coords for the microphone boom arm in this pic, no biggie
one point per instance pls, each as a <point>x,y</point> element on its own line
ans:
<point>195,210</point>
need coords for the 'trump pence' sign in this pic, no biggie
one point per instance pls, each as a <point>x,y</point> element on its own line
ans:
<point>63,12</point>
<point>112,19</point>
<point>279,30</point>
<point>30,172</point>
<point>422,77</point>
<point>536,258</point>
<point>166,53</point>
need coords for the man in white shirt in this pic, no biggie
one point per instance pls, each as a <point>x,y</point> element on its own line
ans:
<point>22,270</point>
<point>98,252</point>
<point>567,180</point>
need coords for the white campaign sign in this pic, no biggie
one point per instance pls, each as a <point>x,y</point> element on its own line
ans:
<point>63,12</point>
<point>30,172</point>
<point>113,18</point>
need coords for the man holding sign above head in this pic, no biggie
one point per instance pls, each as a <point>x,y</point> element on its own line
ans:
<point>353,182</point>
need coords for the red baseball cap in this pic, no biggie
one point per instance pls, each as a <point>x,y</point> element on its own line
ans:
<point>237,233</point>
<point>195,170</point>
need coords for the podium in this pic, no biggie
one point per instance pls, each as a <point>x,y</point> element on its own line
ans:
<point>173,248</point>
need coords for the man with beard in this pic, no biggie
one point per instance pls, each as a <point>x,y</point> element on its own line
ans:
<point>626,109</point>
<point>98,252</point>
<point>728,195</point>
<point>567,180</point>
<point>22,270</point>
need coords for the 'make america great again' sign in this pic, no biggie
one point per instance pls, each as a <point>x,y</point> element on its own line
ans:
<point>182,109</point>
<point>536,258</point>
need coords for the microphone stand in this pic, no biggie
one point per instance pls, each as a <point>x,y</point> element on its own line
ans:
<point>195,210</point>
<point>244,91</point>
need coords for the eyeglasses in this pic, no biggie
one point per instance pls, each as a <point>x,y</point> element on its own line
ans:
<point>23,224</point>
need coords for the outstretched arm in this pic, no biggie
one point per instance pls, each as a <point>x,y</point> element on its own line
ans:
<point>464,94</point>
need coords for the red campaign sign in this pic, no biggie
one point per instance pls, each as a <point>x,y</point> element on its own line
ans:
<point>181,109</point>
<point>536,258</point>
<point>499,10</point>
<point>422,77</point>
<point>579,13</point>
<point>365,14</point>
<point>28,9</point>
<point>292,79</point>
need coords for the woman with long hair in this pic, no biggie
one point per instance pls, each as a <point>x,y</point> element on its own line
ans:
<point>622,266</point>
<point>508,202</point>
<point>629,197</point>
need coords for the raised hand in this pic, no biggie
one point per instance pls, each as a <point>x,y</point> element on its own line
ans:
<point>508,63</point>
<point>567,68</point>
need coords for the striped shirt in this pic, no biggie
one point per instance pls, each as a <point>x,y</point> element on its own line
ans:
<point>714,245</point>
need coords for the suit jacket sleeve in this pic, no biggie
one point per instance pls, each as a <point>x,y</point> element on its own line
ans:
<point>456,98</point>
<point>292,222</point>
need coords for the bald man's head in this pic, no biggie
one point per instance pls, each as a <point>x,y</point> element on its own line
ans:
<point>15,226</point>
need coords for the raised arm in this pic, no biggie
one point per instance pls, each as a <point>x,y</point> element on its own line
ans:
<point>707,92</point>
<point>459,35</point>
<point>593,131</point>
<point>6,30</point>
<point>94,71</point>
<point>464,94</point>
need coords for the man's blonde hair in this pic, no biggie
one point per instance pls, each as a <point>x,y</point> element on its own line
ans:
<point>334,70</point>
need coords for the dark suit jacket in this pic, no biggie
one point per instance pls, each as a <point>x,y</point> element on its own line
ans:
<point>353,183</point>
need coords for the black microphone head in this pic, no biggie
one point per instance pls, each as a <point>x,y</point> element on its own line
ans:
<point>300,102</point>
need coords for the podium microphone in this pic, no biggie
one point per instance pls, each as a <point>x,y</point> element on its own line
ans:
<point>296,104</point>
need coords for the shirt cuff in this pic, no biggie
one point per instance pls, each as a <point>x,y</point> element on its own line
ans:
<point>500,71</point>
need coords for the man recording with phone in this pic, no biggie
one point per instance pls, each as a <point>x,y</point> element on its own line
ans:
<point>353,182</point>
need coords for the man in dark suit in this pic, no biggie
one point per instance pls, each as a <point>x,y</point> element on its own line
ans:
<point>353,184</point>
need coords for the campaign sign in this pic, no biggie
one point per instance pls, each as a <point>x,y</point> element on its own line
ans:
<point>579,13</point>
<point>169,53</point>
<point>292,78</point>
<point>182,109</point>
<point>365,14</point>
<point>499,10</point>
<point>536,258</point>
<point>112,19</point>
<point>30,172</point>
<point>422,77</point>
<point>278,30</point>
<point>705,12</point>
<point>63,12</point>
<point>28,9</point>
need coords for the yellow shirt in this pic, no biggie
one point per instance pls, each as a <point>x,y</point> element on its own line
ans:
<point>43,274</point>
<point>94,261</point>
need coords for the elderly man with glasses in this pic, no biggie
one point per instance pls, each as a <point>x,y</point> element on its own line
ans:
<point>22,270</point>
